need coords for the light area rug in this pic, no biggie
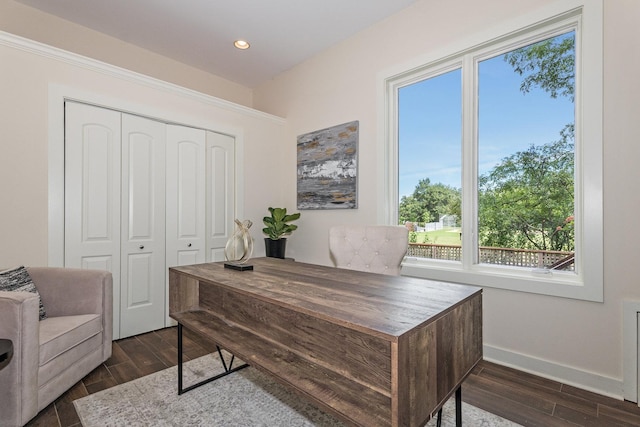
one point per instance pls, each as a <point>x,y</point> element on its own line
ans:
<point>245,398</point>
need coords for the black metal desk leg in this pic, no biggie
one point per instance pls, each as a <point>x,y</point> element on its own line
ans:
<point>459,407</point>
<point>458,410</point>
<point>227,370</point>
<point>179,358</point>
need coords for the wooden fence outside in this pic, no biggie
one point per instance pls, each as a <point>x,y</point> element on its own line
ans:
<point>499,256</point>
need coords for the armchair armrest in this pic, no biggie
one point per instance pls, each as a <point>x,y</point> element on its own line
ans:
<point>19,319</point>
<point>19,323</point>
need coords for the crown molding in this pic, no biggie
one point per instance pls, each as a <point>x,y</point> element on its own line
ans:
<point>57,54</point>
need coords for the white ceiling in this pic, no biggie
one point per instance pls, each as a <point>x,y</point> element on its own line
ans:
<point>200,33</point>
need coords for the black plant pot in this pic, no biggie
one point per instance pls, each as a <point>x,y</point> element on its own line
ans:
<point>275,248</point>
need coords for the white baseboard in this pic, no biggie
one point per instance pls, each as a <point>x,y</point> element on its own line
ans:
<point>585,380</point>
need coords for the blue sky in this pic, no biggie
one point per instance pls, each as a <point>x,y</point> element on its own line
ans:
<point>509,121</point>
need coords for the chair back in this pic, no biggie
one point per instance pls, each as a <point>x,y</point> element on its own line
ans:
<point>371,248</point>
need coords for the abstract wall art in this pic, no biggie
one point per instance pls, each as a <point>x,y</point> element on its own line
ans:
<point>328,168</point>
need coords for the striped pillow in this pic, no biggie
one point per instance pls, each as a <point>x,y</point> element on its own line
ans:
<point>18,280</point>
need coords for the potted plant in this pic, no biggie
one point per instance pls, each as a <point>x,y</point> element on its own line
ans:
<point>276,226</point>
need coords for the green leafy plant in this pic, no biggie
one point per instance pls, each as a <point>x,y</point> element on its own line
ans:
<point>277,224</point>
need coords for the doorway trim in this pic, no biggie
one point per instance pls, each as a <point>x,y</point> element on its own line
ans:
<point>630,340</point>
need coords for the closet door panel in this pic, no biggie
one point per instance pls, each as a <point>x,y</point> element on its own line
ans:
<point>142,300</point>
<point>187,257</point>
<point>220,193</point>
<point>92,181</point>
<point>92,191</point>
<point>97,179</point>
<point>97,263</point>
<point>187,183</point>
<point>139,272</point>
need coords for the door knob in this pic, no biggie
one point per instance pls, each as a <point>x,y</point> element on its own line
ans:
<point>189,245</point>
<point>141,246</point>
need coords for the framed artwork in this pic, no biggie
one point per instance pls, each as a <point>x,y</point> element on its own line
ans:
<point>328,168</point>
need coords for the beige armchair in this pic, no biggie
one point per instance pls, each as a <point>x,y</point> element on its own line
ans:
<point>372,248</point>
<point>51,355</point>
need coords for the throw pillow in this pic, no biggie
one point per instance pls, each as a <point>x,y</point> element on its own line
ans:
<point>18,280</point>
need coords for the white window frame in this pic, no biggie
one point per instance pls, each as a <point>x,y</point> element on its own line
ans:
<point>586,283</point>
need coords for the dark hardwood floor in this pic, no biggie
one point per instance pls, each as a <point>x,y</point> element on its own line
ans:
<point>523,398</point>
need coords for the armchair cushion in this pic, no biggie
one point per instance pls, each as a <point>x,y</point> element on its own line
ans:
<point>60,334</point>
<point>18,280</point>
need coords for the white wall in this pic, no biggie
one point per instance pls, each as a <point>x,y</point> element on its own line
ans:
<point>575,341</point>
<point>31,73</point>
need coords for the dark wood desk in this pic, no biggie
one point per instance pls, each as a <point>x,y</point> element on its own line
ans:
<point>373,350</point>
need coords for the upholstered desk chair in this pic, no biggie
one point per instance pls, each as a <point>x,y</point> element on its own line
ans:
<point>372,248</point>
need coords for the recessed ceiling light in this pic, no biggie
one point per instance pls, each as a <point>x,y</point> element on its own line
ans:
<point>241,44</point>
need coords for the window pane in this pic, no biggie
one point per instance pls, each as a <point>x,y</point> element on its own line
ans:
<point>526,156</point>
<point>430,165</point>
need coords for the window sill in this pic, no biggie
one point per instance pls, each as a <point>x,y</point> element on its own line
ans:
<point>557,284</point>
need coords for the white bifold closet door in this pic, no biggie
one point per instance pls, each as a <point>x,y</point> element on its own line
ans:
<point>92,189</point>
<point>220,201</point>
<point>185,243</point>
<point>142,245</point>
<point>115,209</point>
<point>185,196</point>
<point>142,196</point>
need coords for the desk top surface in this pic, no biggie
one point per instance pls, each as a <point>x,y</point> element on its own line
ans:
<point>390,305</point>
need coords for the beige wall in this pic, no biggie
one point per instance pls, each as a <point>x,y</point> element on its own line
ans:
<point>582,341</point>
<point>28,22</point>
<point>578,341</point>
<point>26,81</point>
